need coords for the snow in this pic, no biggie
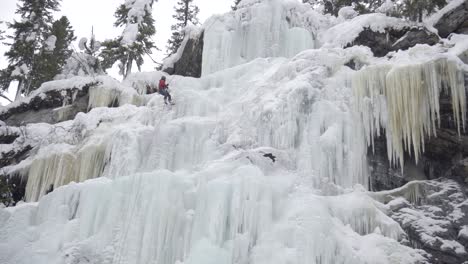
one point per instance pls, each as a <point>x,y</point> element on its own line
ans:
<point>136,11</point>
<point>261,160</point>
<point>463,232</point>
<point>346,32</point>
<point>104,91</point>
<point>50,43</point>
<point>82,43</point>
<point>386,7</point>
<point>130,34</point>
<point>347,12</point>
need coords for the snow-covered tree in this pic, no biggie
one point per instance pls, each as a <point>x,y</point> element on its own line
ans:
<point>236,3</point>
<point>54,53</point>
<point>85,62</point>
<point>186,13</point>
<point>30,35</point>
<point>137,19</point>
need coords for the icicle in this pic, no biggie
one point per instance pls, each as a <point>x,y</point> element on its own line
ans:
<point>411,98</point>
<point>102,97</point>
<point>61,168</point>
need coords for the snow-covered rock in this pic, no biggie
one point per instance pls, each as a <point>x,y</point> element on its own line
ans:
<point>432,212</point>
<point>188,59</point>
<point>379,32</point>
<point>451,19</point>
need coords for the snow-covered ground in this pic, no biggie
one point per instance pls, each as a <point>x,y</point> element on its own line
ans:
<point>262,160</point>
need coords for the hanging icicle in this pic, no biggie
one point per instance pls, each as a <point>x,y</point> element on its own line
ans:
<point>404,100</point>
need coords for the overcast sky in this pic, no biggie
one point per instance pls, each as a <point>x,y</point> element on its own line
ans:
<point>84,14</point>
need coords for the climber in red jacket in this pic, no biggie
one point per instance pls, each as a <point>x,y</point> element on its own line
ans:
<point>163,90</point>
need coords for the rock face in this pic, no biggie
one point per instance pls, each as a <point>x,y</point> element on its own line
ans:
<point>445,156</point>
<point>381,43</point>
<point>433,214</point>
<point>454,21</point>
<point>434,221</point>
<point>51,107</point>
<point>190,63</point>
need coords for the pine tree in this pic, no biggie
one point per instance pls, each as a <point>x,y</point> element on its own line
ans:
<point>415,10</point>
<point>185,13</point>
<point>334,6</point>
<point>1,32</point>
<point>236,3</point>
<point>28,39</point>
<point>135,41</point>
<point>54,53</point>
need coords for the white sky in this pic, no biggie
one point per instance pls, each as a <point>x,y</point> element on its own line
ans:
<point>84,14</point>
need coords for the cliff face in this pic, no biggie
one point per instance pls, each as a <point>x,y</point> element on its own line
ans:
<point>190,62</point>
<point>455,20</point>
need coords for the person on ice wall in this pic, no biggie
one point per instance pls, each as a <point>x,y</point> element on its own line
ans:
<point>163,90</point>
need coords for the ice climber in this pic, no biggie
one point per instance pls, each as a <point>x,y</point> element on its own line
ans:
<point>163,90</point>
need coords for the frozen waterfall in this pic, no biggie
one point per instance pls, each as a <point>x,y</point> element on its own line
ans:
<point>273,28</point>
<point>262,160</point>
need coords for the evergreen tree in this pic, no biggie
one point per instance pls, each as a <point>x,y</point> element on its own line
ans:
<point>54,52</point>
<point>185,13</point>
<point>236,3</point>
<point>135,41</point>
<point>28,39</point>
<point>1,32</point>
<point>334,6</point>
<point>415,10</point>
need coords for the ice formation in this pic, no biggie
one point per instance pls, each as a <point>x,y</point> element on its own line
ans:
<point>241,36</point>
<point>404,100</point>
<point>262,160</point>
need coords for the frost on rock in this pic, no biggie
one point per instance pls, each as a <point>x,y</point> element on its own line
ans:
<point>431,213</point>
<point>275,28</point>
<point>404,100</point>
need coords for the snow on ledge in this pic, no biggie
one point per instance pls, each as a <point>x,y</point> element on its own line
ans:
<point>346,32</point>
<point>78,82</point>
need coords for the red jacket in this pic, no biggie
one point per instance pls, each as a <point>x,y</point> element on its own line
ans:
<point>162,84</point>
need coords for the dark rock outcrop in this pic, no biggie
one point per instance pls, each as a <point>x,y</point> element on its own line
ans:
<point>454,21</point>
<point>50,107</point>
<point>8,137</point>
<point>13,157</point>
<point>190,63</point>
<point>12,189</point>
<point>381,43</point>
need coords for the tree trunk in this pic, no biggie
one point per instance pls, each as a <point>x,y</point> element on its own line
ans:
<point>19,90</point>
<point>128,67</point>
